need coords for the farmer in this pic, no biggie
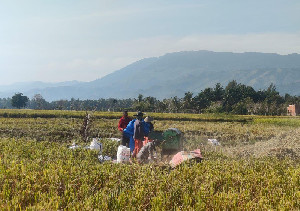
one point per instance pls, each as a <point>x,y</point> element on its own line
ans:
<point>137,129</point>
<point>148,120</point>
<point>123,122</point>
<point>146,151</point>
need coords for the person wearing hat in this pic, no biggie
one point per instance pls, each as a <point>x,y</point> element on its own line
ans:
<point>137,129</point>
<point>148,120</point>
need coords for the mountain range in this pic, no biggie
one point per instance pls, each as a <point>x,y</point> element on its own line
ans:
<point>174,74</point>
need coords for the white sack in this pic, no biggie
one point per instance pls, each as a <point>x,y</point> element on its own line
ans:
<point>214,142</point>
<point>95,144</point>
<point>123,154</point>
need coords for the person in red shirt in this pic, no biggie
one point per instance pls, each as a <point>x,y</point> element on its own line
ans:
<point>123,122</point>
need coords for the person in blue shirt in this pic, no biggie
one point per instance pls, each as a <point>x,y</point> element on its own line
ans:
<point>136,130</point>
<point>148,120</point>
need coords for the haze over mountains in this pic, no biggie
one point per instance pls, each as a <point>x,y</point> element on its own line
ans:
<point>176,73</point>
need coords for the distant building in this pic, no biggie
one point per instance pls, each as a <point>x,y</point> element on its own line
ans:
<point>293,110</point>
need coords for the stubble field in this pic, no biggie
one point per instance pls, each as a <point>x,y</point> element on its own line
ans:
<point>255,167</point>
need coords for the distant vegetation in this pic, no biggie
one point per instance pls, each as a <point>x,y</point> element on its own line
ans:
<point>235,98</point>
<point>19,101</point>
<point>174,74</point>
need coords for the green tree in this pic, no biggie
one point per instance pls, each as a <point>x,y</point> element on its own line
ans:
<point>174,104</point>
<point>232,95</point>
<point>38,102</point>
<point>19,101</point>
<point>202,101</point>
<point>112,103</point>
<point>274,101</point>
<point>161,106</point>
<point>76,104</point>
<point>235,93</point>
<point>139,104</point>
<point>61,104</point>
<point>245,106</point>
<point>150,103</point>
<point>5,103</point>
<point>187,102</point>
<point>218,92</point>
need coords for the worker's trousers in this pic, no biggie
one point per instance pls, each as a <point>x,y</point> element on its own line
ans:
<point>138,144</point>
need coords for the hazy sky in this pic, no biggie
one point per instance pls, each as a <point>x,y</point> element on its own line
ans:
<point>62,40</point>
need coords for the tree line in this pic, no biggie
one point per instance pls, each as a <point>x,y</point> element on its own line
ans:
<point>235,98</point>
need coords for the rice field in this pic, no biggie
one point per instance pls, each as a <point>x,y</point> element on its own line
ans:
<point>255,167</point>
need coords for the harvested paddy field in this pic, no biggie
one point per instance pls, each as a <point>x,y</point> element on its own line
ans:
<point>256,165</point>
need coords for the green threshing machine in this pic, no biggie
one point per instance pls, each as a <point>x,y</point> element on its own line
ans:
<point>171,141</point>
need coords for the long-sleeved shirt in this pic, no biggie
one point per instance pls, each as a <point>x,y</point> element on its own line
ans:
<point>144,153</point>
<point>123,122</point>
<point>129,132</point>
<point>139,131</point>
